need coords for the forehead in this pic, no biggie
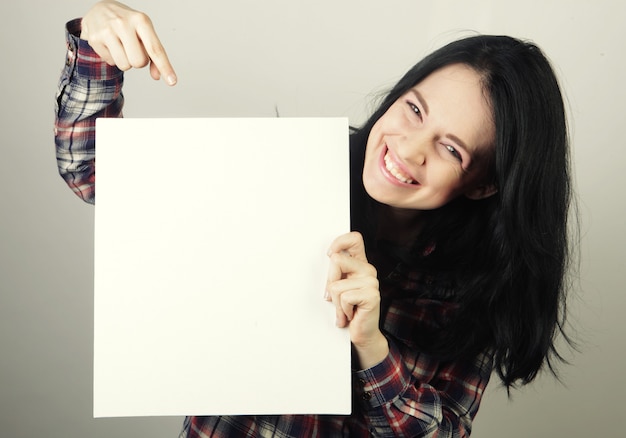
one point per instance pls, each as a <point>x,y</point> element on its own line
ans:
<point>456,101</point>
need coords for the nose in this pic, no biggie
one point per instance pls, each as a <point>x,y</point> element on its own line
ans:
<point>418,158</point>
<point>416,149</point>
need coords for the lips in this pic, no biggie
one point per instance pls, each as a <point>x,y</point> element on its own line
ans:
<point>395,170</point>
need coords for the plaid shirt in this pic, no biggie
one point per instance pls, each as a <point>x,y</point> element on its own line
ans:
<point>409,394</point>
<point>88,88</point>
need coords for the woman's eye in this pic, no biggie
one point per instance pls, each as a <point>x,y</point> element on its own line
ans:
<point>415,109</point>
<point>454,152</point>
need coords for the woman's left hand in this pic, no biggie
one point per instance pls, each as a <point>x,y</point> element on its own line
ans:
<point>353,287</point>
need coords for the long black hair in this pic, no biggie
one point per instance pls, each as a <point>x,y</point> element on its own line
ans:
<point>507,255</point>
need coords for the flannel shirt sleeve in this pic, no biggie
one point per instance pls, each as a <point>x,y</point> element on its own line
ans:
<point>89,88</point>
<point>397,404</point>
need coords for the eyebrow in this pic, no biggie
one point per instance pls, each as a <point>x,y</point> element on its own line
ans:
<point>460,142</point>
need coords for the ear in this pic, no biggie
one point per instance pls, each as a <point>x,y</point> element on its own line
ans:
<point>481,192</point>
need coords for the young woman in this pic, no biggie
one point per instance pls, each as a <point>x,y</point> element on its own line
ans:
<point>460,195</point>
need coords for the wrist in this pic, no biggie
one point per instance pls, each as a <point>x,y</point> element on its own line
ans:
<point>372,352</point>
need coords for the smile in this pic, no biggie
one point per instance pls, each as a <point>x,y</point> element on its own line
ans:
<point>395,171</point>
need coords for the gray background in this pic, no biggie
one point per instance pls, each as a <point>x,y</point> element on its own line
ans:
<point>308,58</point>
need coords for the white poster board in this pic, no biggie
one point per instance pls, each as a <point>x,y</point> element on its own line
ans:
<point>210,267</point>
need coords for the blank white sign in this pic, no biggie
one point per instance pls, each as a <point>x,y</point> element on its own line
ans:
<point>210,267</point>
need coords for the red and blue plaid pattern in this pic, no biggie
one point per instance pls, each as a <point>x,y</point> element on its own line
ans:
<point>89,88</point>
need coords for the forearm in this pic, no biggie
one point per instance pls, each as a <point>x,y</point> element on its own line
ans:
<point>412,395</point>
<point>88,89</point>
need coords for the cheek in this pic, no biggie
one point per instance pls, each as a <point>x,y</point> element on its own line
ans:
<point>374,135</point>
<point>447,180</point>
<point>445,171</point>
<point>391,122</point>
<point>370,176</point>
<point>373,145</point>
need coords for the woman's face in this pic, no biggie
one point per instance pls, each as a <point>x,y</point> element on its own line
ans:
<point>433,143</point>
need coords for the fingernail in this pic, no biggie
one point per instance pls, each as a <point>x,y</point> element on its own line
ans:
<point>326,295</point>
<point>171,80</point>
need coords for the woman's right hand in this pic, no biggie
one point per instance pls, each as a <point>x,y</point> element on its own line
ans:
<point>126,38</point>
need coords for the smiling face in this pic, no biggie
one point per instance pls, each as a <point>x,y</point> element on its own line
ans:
<point>433,144</point>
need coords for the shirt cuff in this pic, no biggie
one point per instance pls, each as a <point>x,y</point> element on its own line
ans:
<point>383,382</point>
<point>82,60</point>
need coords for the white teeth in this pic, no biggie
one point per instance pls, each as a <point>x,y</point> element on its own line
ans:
<point>397,173</point>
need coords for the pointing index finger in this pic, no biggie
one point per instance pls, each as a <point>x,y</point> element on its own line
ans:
<point>160,66</point>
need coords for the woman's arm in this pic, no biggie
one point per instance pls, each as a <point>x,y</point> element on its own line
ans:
<point>401,392</point>
<point>89,88</point>
<point>110,38</point>
<point>410,394</point>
